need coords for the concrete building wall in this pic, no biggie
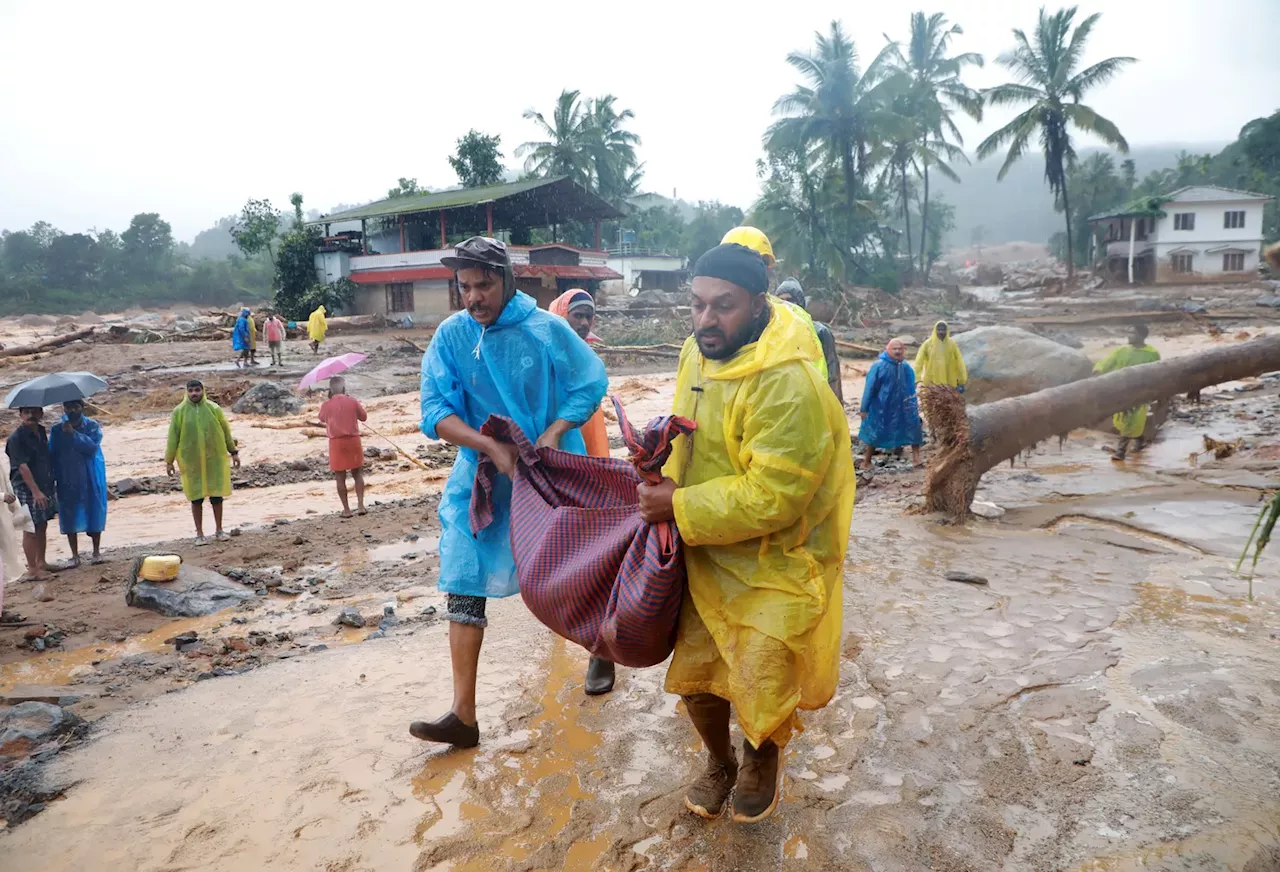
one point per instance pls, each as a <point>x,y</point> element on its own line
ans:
<point>1209,230</point>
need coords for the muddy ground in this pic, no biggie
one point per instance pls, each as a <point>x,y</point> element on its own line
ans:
<point>1108,701</point>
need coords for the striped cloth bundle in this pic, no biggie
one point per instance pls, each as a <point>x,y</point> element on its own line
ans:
<point>588,567</point>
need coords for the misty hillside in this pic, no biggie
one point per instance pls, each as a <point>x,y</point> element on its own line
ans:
<point>1020,208</point>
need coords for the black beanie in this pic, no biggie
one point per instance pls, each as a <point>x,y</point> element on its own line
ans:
<point>735,264</point>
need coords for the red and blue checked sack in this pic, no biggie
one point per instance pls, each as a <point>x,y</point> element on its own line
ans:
<point>588,567</point>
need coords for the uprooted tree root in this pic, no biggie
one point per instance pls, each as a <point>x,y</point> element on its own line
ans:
<point>951,480</point>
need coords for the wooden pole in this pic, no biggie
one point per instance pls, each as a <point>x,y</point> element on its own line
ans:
<point>488,218</point>
<point>1133,232</point>
<point>444,243</point>
<point>402,248</point>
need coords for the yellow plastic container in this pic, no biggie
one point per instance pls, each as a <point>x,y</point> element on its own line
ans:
<point>160,567</point>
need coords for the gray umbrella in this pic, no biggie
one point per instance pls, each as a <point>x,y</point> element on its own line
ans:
<point>58,387</point>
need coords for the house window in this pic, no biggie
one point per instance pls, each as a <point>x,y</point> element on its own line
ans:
<point>400,297</point>
<point>1233,220</point>
<point>1184,221</point>
<point>1182,263</point>
<point>1233,261</point>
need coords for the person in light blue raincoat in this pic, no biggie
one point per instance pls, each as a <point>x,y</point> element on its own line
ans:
<point>80,478</point>
<point>502,356</point>
<point>241,337</point>
<point>890,411</point>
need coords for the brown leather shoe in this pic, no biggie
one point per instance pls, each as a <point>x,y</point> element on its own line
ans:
<point>448,729</point>
<point>707,796</point>
<point>760,786</point>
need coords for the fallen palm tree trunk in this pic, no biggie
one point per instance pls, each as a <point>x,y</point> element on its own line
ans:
<point>855,348</point>
<point>53,342</point>
<point>976,439</point>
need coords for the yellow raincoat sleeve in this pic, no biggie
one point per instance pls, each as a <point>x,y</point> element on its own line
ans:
<point>786,448</point>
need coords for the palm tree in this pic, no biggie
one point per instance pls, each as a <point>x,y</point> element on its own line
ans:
<point>565,151</point>
<point>616,169</point>
<point>934,91</point>
<point>838,110</point>
<point>1047,79</point>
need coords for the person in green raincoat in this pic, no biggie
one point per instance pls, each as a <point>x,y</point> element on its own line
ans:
<point>200,441</point>
<point>1133,422</point>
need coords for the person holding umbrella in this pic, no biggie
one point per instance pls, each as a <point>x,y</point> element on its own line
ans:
<point>341,415</point>
<point>80,473</point>
<point>31,474</point>
<point>200,441</point>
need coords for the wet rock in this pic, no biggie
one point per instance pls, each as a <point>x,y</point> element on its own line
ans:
<point>319,647</point>
<point>289,590</point>
<point>349,617</point>
<point>195,592</point>
<point>429,610</point>
<point>237,574</point>
<point>376,634</point>
<point>373,452</point>
<point>235,532</point>
<point>41,594</point>
<point>238,620</point>
<point>27,726</point>
<point>183,638</point>
<point>316,608</point>
<point>268,398</point>
<point>58,696</point>
<point>1009,362</point>
<point>1066,339</point>
<point>299,465</point>
<point>964,577</point>
<point>128,486</point>
<point>1271,302</point>
<point>990,511</point>
<point>412,537</point>
<point>1193,308</point>
<point>281,522</point>
<point>298,540</point>
<point>236,643</point>
<point>283,636</point>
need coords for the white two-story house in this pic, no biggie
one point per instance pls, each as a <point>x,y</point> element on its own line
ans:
<point>1194,234</point>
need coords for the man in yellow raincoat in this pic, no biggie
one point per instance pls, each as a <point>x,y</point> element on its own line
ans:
<point>200,441</point>
<point>939,361</point>
<point>317,327</point>
<point>1132,423</point>
<point>762,494</point>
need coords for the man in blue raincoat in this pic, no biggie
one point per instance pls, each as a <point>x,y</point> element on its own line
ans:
<point>80,476</point>
<point>241,336</point>
<point>889,411</point>
<point>502,356</point>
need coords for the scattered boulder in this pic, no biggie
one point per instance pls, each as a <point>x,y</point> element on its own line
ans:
<point>128,486</point>
<point>195,592</point>
<point>988,274</point>
<point>964,577</point>
<point>1009,362</point>
<point>28,725</point>
<point>268,398</point>
<point>989,511</point>
<point>1271,302</point>
<point>1067,339</point>
<point>349,617</point>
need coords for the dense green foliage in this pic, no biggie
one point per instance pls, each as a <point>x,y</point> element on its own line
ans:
<point>478,160</point>
<point>43,269</point>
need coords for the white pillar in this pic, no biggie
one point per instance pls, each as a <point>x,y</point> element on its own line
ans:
<point>1133,232</point>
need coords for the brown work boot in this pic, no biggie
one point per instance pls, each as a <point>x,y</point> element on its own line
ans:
<point>760,786</point>
<point>707,796</point>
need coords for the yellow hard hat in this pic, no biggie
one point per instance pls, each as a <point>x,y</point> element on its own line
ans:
<point>754,239</point>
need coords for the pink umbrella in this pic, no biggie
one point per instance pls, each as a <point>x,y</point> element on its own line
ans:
<point>328,368</point>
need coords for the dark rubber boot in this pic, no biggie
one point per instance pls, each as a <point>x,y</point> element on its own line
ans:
<point>599,676</point>
<point>707,796</point>
<point>448,729</point>
<point>760,786</point>
<point>1121,449</point>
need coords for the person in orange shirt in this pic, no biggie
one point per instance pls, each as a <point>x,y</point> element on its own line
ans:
<point>341,416</point>
<point>579,309</point>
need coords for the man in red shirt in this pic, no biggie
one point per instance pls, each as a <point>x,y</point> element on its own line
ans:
<point>341,416</point>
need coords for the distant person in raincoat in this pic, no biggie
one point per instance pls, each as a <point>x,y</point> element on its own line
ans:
<point>790,291</point>
<point>890,412</point>
<point>762,493</point>
<point>502,356</point>
<point>1132,423</point>
<point>200,441</point>
<point>317,327</point>
<point>939,361</point>
<point>31,475</point>
<point>13,520</point>
<point>241,336</point>
<point>579,309</point>
<point>80,473</point>
<point>253,340</point>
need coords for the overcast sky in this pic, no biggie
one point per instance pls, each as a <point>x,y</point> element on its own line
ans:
<point>188,109</point>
